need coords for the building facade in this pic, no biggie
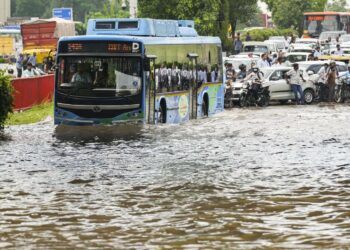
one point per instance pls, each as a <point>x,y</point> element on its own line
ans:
<point>5,10</point>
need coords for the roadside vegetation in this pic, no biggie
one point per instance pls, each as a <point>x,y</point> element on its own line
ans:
<point>33,115</point>
<point>6,98</point>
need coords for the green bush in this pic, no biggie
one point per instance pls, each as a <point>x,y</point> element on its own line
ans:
<point>6,98</point>
<point>264,34</point>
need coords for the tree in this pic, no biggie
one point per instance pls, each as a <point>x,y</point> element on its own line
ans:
<point>337,5</point>
<point>212,17</point>
<point>29,8</point>
<point>6,98</point>
<point>286,14</point>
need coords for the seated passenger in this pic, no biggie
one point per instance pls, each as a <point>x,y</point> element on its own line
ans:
<point>101,78</point>
<point>81,76</point>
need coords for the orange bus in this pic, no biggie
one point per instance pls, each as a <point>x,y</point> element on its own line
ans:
<point>317,22</point>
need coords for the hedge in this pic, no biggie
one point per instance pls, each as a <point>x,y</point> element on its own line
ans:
<point>6,98</point>
<point>264,34</point>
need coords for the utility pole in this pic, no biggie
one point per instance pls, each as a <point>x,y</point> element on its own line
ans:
<point>133,8</point>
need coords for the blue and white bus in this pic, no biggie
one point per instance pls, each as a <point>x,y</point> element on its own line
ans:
<point>137,70</point>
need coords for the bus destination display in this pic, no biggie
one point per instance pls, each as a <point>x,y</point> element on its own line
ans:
<point>99,47</point>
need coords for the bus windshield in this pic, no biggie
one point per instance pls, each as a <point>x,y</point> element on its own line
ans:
<point>99,76</point>
<point>314,25</point>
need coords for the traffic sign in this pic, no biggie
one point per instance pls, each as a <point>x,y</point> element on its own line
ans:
<point>64,13</point>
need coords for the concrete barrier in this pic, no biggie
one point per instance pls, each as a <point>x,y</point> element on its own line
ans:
<point>32,91</point>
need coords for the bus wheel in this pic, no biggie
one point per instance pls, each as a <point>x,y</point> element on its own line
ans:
<point>205,105</point>
<point>162,112</point>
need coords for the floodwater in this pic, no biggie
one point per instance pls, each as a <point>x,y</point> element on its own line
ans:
<point>274,178</point>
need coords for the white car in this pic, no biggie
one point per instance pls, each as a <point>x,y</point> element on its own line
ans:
<point>301,48</point>
<point>313,67</point>
<point>330,34</point>
<point>280,45</point>
<point>312,42</point>
<point>294,57</point>
<point>278,38</point>
<point>258,48</point>
<point>280,90</point>
<point>236,62</point>
<point>345,38</point>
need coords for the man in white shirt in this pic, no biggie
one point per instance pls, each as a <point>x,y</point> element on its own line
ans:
<point>202,76</point>
<point>318,53</point>
<point>295,80</point>
<point>30,71</point>
<point>263,62</point>
<point>339,51</point>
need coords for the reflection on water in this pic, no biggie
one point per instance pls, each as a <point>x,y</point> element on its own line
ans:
<point>270,178</point>
<point>100,134</point>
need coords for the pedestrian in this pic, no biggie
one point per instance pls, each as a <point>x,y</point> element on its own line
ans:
<point>248,38</point>
<point>295,80</point>
<point>19,65</point>
<point>332,74</point>
<point>286,42</point>
<point>238,45</point>
<point>339,51</point>
<point>318,53</point>
<point>32,60</point>
<point>230,72</point>
<point>30,71</point>
<point>263,62</point>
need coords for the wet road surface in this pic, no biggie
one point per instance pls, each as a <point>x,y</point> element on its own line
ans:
<point>272,178</point>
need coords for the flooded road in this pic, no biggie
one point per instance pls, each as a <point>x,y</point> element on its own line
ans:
<point>270,178</point>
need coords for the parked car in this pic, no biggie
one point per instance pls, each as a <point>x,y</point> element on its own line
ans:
<point>280,90</point>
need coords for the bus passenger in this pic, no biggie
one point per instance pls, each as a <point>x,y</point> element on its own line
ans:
<point>214,74</point>
<point>174,78</point>
<point>101,77</point>
<point>185,78</point>
<point>163,78</point>
<point>81,76</point>
<point>202,76</point>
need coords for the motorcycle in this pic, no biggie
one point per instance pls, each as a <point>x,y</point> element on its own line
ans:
<point>254,94</point>
<point>342,90</point>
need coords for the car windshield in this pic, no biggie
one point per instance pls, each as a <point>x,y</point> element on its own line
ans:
<point>99,76</point>
<point>267,72</point>
<point>237,63</point>
<point>296,58</point>
<point>345,38</point>
<point>332,35</point>
<point>317,24</point>
<point>256,48</point>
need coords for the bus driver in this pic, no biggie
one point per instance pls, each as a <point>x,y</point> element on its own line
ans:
<point>80,76</point>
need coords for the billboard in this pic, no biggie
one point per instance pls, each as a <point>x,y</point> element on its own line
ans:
<point>64,13</point>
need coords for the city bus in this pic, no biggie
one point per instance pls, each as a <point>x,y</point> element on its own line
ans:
<point>317,22</point>
<point>137,71</point>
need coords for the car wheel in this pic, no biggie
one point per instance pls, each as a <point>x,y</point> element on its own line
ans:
<point>283,102</point>
<point>308,96</point>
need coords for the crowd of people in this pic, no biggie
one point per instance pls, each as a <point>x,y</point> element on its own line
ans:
<point>327,75</point>
<point>27,65</point>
